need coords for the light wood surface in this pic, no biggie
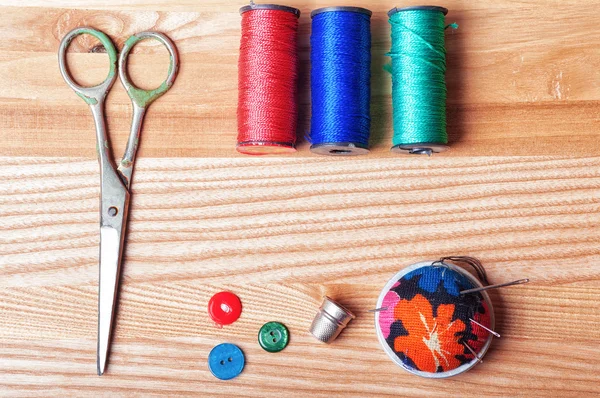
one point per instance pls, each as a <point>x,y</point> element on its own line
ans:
<point>524,79</point>
<point>338,227</point>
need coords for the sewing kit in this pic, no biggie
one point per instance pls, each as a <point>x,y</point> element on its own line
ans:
<point>433,319</point>
<point>428,325</point>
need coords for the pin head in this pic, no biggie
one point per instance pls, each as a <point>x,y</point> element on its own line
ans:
<point>425,325</point>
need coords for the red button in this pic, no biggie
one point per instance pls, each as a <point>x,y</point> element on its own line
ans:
<point>224,308</point>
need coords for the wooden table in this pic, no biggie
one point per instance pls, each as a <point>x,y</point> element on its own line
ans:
<point>520,189</point>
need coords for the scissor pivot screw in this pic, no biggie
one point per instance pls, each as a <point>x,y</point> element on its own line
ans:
<point>113,211</point>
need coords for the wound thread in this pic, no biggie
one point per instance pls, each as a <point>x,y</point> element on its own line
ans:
<point>340,81</point>
<point>418,69</point>
<point>267,81</point>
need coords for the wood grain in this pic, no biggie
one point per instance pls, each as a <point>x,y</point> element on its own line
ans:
<point>281,233</point>
<point>522,80</point>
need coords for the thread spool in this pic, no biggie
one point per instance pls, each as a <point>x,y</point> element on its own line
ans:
<point>267,80</point>
<point>425,324</point>
<point>340,81</point>
<point>418,68</point>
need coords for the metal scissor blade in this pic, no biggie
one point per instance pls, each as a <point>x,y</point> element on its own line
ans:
<point>111,245</point>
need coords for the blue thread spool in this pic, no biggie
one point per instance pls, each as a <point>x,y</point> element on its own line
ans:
<point>340,81</point>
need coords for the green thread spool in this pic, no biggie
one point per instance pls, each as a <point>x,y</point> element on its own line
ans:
<point>418,69</point>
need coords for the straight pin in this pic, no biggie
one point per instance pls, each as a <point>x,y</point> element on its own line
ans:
<point>480,289</point>
<point>483,327</point>
<point>473,352</point>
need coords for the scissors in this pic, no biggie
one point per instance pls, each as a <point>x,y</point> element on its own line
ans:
<point>115,182</point>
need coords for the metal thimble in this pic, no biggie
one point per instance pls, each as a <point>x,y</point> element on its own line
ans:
<point>330,320</point>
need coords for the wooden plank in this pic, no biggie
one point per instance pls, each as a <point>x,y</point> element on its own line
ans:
<point>281,233</point>
<point>222,6</point>
<point>516,87</point>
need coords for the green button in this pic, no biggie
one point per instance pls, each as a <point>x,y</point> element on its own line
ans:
<point>273,336</point>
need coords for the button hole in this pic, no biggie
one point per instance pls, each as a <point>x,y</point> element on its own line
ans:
<point>272,334</point>
<point>274,340</point>
<point>225,308</point>
<point>222,362</point>
<point>230,359</point>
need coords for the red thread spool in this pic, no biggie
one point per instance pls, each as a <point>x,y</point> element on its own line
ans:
<point>268,74</point>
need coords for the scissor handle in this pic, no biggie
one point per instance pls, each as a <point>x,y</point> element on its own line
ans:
<point>140,97</point>
<point>96,94</point>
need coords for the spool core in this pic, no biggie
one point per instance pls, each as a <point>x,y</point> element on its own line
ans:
<point>425,148</point>
<point>414,8</point>
<point>277,7</point>
<point>339,149</point>
<point>265,148</point>
<point>341,8</point>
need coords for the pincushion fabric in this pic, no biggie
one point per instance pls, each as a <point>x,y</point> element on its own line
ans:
<point>427,322</point>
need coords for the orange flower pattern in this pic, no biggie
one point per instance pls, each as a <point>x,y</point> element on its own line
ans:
<point>427,323</point>
<point>434,340</point>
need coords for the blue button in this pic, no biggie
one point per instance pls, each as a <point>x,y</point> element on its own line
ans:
<point>226,361</point>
